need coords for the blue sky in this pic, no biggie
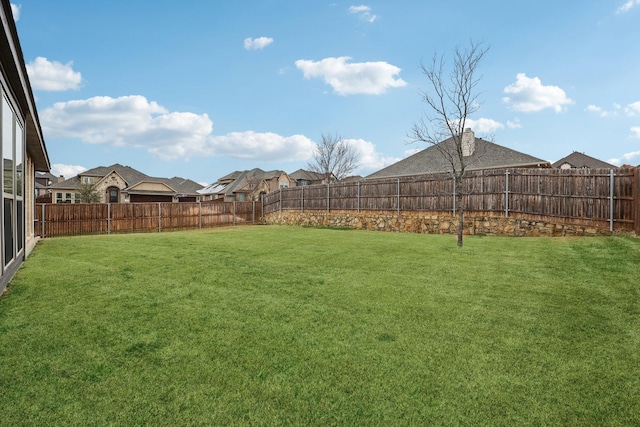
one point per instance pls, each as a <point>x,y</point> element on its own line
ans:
<point>201,88</point>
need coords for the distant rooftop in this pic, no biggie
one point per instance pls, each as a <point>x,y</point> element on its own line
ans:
<point>578,160</point>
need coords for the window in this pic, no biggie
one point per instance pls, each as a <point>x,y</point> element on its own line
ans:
<point>58,197</point>
<point>7,180</point>
<point>113,193</point>
<point>87,180</point>
<point>12,182</point>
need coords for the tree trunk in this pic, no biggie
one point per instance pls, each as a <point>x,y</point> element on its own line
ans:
<point>460,225</point>
<point>460,205</point>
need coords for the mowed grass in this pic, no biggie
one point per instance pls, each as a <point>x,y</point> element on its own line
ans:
<point>299,326</point>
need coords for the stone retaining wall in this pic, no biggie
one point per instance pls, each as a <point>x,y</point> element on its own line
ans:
<point>433,223</point>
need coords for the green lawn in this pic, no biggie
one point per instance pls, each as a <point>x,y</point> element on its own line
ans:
<point>271,325</point>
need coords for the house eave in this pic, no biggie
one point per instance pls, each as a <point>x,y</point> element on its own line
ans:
<point>15,71</point>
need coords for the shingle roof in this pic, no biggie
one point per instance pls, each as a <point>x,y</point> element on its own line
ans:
<point>352,178</point>
<point>306,175</point>
<point>242,178</point>
<point>486,155</point>
<point>231,176</point>
<point>47,175</point>
<point>581,160</point>
<point>70,183</point>
<point>184,186</point>
<point>129,174</point>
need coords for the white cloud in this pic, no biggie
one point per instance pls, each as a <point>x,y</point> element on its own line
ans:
<point>128,121</point>
<point>628,158</point>
<point>52,75</point>
<point>598,110</point>
<point>369,160</point>
<point>257,43</point>
<point>364,12</point>
<point>633,109</point>
<point>628,6</point>
<point>635,131</point>
<point>514,124</point>
<point>602,112</point>
<point>529,95</point>
<point>371,78</point>
<point>15,10</point>
<point>67,171</point>
<point>133,121</point>
<point>483,125</point>
<point>267,146</point>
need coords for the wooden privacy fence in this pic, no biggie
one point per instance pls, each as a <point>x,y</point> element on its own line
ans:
<point>100,218</point>
<point>602,198</point>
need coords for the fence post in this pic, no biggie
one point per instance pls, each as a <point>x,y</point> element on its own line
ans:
<point>328,200</point>
<point>398,191</point>
<point>506,194</point>
<point>358,196</point>
<point>611,190</point>
<point>280,200</point>
<point>453,211</point>
<point>262,205</point>
<point>234,212</point>
<point>200,214</point>
<point>302,199</point>
<point>159,217</point>
<point>108,218</point>
<point>43,221</point>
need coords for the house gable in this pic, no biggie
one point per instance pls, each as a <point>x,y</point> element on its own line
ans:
<point>151,186</point>
<point>154,186</point>
<point>113,179</point>
<point>284,181</point>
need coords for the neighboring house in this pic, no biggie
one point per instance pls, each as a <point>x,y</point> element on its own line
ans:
<point>43,181</point>
<point>305,177</point>
<point>246,185</point>
<point>578,160</point>
<point>479,155</point>
<point>123,184</point>
<point>352,178</point>
<point>23,151</point>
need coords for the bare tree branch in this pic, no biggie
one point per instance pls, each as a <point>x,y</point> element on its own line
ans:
<point>451,99</point>
<point>334,158</point>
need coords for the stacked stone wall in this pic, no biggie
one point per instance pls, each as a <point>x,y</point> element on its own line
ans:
<point>434,223</point>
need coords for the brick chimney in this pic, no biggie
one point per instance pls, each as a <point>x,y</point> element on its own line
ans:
<point>468,142</point>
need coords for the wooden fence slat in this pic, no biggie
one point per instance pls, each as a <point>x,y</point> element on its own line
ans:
<point>102,218</point>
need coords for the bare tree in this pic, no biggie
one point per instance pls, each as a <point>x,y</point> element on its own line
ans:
<point>452,98</point>
<point>334,158</point>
